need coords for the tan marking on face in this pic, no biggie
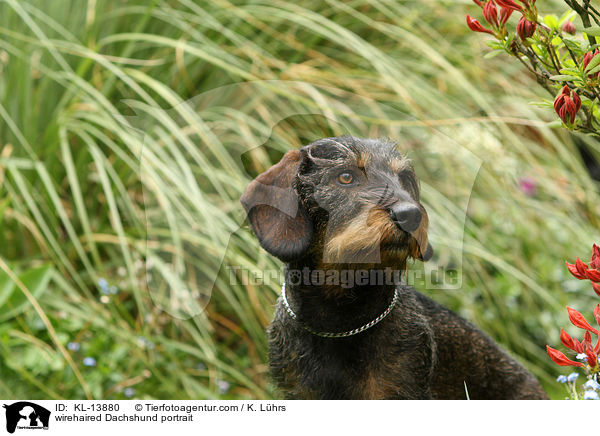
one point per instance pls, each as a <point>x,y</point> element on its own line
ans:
<point>420,241</point>
<point>363,160</point>
<point>360,235</point>
<point>398,164</point>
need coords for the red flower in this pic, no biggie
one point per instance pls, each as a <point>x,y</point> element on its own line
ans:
<point>476,26</point>
<point>578,347</point>
<point>560,359</point>
<point>505,14</point>
<point>525,28</point>
<point>578,320</point>
<point>591,357</point>
<point>587,340</point>
<point>595,261</point>
<point>509,4</point>
<point>569,27</point>
<point>578,269</point>
<point>581,267</point>
<point>593,275</point>
<point>597,313</point>
<point>567,340</point>
<point>567,108</point>
<point>587,59</point>
<point>596,287</point>
<point>490,13</point>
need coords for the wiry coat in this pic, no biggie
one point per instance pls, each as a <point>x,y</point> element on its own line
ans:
<point>421,350</point>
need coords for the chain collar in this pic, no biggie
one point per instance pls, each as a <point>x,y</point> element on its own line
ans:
<point>342,334</point>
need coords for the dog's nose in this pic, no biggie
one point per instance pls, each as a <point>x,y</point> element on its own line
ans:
<point>407,216</point>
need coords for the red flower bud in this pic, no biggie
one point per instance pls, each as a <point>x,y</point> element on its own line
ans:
<point>567,340</point>
<point>587,340</point>
<point>569,27</point>
<point>581,267</point>
<point>560,359</point>
<point>509,4</point>
<point>596,287</point>
<point>490,13</point>
<point>593,275</point>
<point>476,26</point>
<point>595,260</point>
<point>597,313</point>
<point>525,28</point>
<point>573,268</point>
<point>567,113</point>
<point>505,14</point>
<point>587,59</point>
<point>591,357</point>
<point>578,346</point>
<point>578,320</point>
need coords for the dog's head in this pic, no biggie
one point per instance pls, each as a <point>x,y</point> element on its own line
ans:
<point>348,200</point>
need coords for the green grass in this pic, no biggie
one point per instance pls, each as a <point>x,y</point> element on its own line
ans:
<point>125,136</point>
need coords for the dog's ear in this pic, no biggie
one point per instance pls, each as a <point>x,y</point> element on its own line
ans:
<point>278,220</point>
<point>422,249</point>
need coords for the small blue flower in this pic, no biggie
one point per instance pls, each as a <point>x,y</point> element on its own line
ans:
<point>591,384</point>
<point>89,361</point>
<point>145,343</point>
<point>73,346</point>
<point>562,379</point>
<point>223,386</point>
<point>129,392</point>
<point>572,377</point>
<point>103,285</point>
<point>581,356</point>
<point>591,395</point>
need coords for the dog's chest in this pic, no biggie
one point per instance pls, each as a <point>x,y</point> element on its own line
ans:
<point>310,367</point>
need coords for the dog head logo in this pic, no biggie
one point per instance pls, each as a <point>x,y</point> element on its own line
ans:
<point>26,415</point>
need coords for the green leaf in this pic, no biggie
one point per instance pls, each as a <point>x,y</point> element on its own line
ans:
<point>495,45</point>
<point>562,77</point>
<point>554,124</point>
<point>551,21</point>
<point>493,54</point>
<point>572,44</point>
<point>571,71</point>
<point>593,70</point>
<point>35,280</point>
<point>593,64</point>
<point>544,103</point>
<point>592,31</point>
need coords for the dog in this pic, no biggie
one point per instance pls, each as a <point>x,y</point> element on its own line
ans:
<point>348,207</point>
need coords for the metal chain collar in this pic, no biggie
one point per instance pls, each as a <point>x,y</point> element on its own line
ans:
<point>342,334</point>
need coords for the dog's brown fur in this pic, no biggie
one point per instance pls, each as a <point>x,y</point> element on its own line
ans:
<point>302,214</point>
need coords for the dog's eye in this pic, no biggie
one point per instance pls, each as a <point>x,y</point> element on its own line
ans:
<point>345,178</point>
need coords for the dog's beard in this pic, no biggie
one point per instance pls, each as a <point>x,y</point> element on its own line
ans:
<point>369,238</point>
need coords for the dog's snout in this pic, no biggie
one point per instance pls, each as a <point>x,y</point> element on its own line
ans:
<point>407,216</point>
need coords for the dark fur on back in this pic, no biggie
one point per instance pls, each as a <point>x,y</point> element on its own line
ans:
<point>311,221</point>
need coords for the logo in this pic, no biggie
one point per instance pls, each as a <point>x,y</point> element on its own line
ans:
<point>26,415</point>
